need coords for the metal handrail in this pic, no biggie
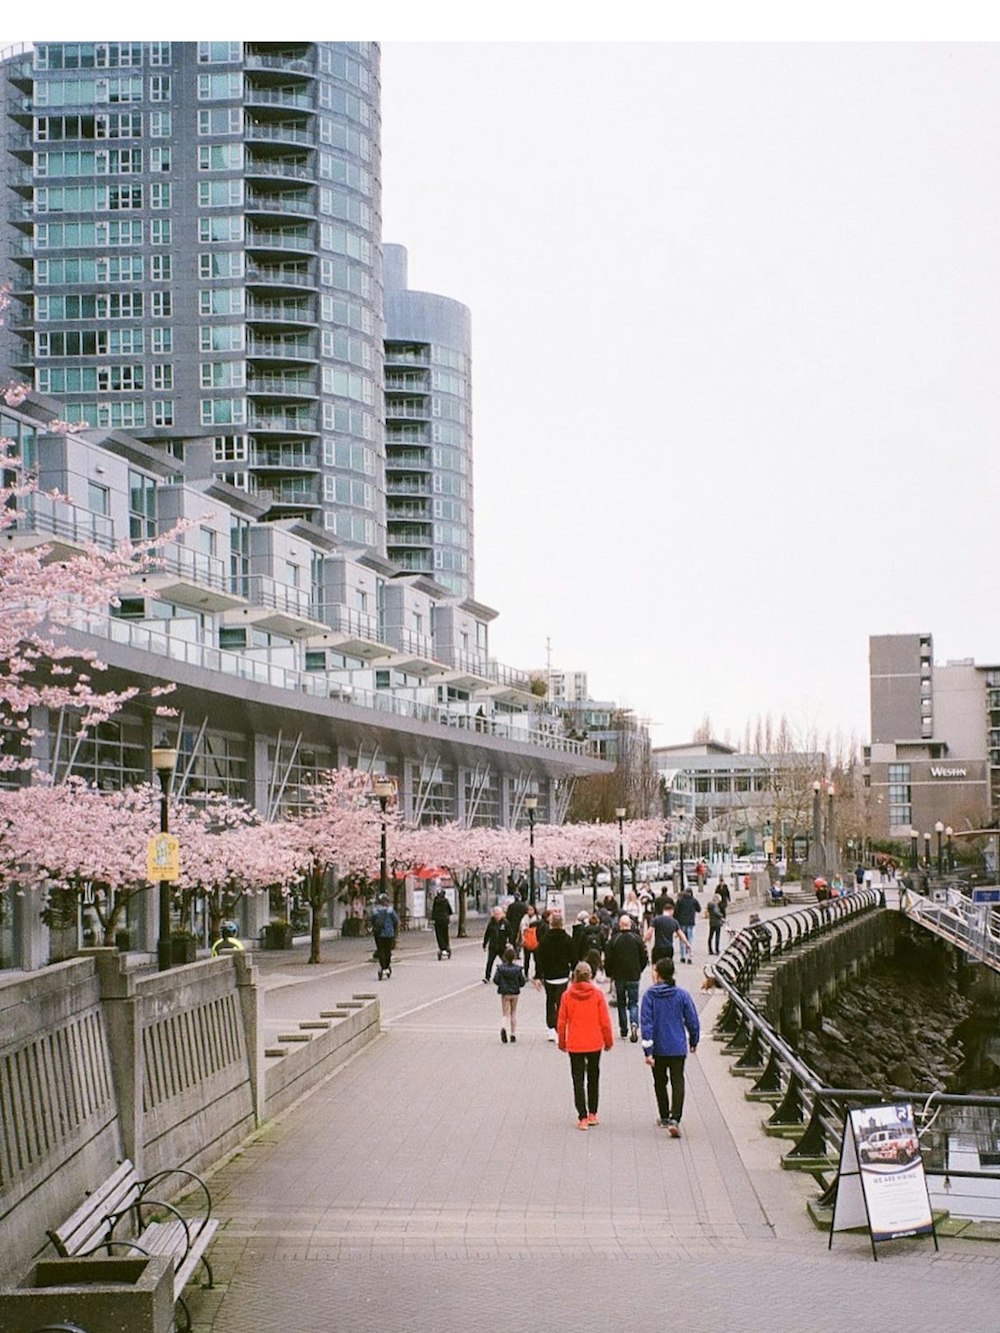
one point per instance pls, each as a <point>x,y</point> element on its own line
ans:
<point>805,1104</point>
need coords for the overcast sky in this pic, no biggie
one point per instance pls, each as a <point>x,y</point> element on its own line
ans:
<point>735,350</point>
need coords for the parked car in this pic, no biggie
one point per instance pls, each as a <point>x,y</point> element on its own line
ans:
<point>889,1145</point>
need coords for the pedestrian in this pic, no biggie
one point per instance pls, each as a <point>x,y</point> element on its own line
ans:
<point>516,909</point>
<point>527,937</point>
<point>662,930</point>
<point>555,959</point>
<point>670,1027</point>
<point>591,937</point>
<point>385,928</point>
<point>716,916</point>
<point>579,926</point>
<point>722,889</point>
<point>634,907</point>
<point>509,978</point>
<point>859,875</point>
<point>686,910</point>
<point>495,939</point>
<point>440,915</point>
<point>229,940</point>
<point>584,1031</point>
<point>625,961</point>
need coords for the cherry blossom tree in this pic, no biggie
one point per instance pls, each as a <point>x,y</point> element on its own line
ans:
<point>338,833</point>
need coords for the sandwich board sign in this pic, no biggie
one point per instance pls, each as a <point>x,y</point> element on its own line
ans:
<point>881,1183</point>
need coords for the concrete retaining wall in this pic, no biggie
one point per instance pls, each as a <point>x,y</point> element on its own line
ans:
<point>99,1061</point>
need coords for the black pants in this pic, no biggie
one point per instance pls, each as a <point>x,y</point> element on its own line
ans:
<point>585,1065</point>
<point>554,991</point>
<point>441,931</point>
<point>491,958</point>
<point>714,935</point>
<point>670,1106</point>
<point>383,947</point>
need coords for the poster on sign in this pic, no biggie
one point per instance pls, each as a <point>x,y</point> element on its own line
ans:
<point>881,1182</point>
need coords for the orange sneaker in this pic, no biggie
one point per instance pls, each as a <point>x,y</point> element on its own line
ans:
<point>592,1120</point>
<point>584,1123</point>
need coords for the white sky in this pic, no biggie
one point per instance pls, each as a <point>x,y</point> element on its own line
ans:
<point>735,329</point>
<point>735,350</point>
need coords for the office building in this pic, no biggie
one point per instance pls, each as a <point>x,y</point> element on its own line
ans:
<point>934,756</point>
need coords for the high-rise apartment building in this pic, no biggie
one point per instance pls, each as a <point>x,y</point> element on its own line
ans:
<point>198,254</point>
<point>428,412</point>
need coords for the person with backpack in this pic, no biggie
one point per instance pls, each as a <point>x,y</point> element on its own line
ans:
<point>528,937</point>
<point>555,959</point>
<point>686,910</point>
<point>385,928</point>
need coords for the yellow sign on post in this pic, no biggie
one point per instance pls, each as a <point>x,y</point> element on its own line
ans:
<point>163,857</point>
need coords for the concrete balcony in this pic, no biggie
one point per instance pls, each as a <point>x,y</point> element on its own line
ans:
<point>350,631</point>
<point>276,607</point>
<point>66,528</point>
<point>191,578</point>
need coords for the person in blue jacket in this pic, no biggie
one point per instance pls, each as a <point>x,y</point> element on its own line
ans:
<point>669,1025</point>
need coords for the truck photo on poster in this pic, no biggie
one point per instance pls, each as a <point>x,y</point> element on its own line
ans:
<point>881,1182</point>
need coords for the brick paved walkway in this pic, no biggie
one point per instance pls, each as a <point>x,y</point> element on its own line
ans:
<point>439,1180</point>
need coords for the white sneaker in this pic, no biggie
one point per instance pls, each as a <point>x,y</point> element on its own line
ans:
<point>553,1035</point>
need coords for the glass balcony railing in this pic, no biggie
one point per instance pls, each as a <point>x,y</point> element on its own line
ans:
<point>348,620</point>
<point>209,571</point>
<point>48,516</point>
<point>527,729</point>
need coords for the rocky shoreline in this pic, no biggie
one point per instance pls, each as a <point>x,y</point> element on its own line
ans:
<point>892,1029</point>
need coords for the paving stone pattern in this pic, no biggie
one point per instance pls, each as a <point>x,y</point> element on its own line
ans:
<point>439,1181</point>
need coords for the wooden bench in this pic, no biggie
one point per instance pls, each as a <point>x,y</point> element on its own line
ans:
<point>124,1213</point>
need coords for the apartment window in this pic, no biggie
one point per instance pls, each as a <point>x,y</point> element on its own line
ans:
<point>225,228</point>
<point>163,412</point>
<point>220,157</point>
<point>159,194</point>
<point>159,268</point>
<point>223,411</point>
<point>141,506</point>
<point>224,264</point>
<point>98,499</point>
<point>220,120</point>
<point>160,305</point>
<point>223,374</point>
<point>159,88</point>
<point>161,340</point>
<point>220,53</point>
<point>159,159</point>
<point>219,87</point>
<point>221,338</point>
<point>159,53</point>
<point>160,125</point>
<point>220,194</point>
<point>163,376</point>
<point>230,449</point>
<point>159,231</point>
<point>222,301</point>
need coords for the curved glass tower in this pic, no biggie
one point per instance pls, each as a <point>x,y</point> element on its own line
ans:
<point>428,412</point>
<point>198,255</point>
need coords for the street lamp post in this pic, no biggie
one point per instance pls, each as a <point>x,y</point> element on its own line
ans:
<point>914,836</point>
<point>939,830</point>
<point>164,763</point>
<point>832,858</point>
<point>951,863</point>
<point>531,805</point>
<point>384,788</point>
<point>927,851</point>
<point>620,815</point>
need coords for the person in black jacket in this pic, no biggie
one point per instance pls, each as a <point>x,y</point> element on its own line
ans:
<point>509,980</point>
<point>516,909</point>
<point>555,959</point>
<point>440,913</point>
<point>624,961</point>
<point>495,939</point>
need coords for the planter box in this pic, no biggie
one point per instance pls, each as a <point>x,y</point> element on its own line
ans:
<point>277,935</point>
<point>131,1295</point>
<point>182,949</point>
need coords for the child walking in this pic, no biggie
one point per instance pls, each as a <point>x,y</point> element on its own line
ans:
<point>509,977</point>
